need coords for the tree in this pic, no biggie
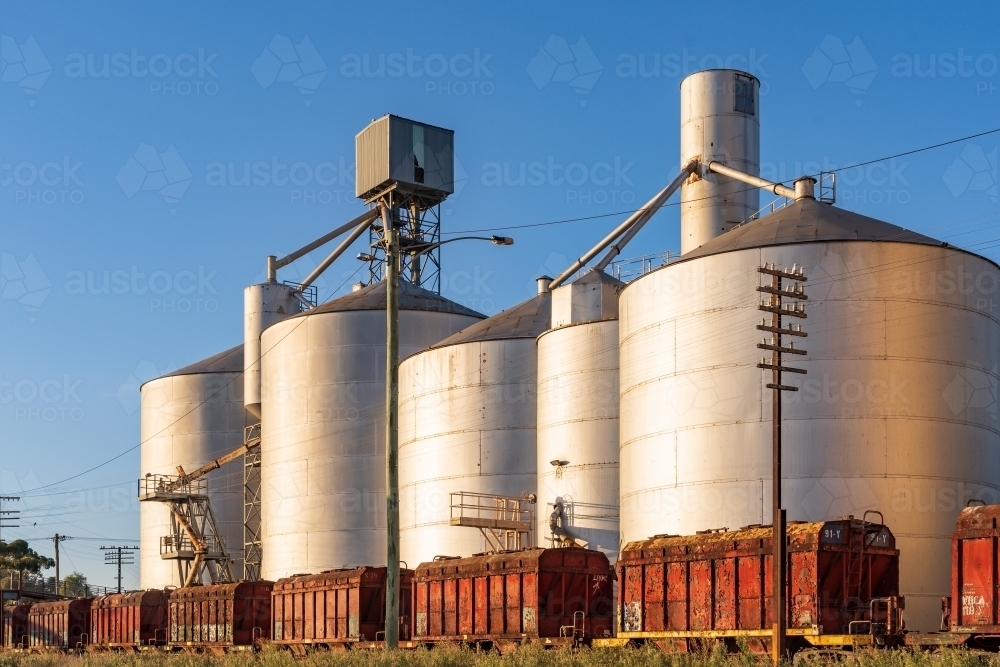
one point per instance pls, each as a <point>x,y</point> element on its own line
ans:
<point>21,558</point>
<point>74,585</point>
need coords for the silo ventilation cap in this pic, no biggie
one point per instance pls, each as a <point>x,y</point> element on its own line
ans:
<point>805,188</point>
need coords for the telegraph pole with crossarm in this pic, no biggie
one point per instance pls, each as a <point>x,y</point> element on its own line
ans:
<point>776,292</point>
<point>119,556</point>
<point>9,515</point>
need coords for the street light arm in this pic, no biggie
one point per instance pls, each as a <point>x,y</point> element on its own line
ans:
<point>421,248</point>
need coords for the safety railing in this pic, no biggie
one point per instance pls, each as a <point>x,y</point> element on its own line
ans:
<point>156,486</point>
<point>631,268</point>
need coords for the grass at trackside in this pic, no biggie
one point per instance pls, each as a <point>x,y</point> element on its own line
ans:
<point>528,656</point>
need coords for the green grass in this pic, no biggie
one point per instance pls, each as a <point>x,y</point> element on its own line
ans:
<point>528,656</point>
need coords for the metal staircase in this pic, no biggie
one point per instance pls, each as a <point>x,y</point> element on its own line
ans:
<point>195,541</point>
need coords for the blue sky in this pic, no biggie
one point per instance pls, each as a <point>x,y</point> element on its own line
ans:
<point>107,284</point>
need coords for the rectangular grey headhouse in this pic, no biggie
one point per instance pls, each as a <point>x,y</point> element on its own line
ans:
<point>414,157</point>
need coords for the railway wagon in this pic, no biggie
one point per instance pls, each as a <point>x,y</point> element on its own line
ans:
<point>681,592</point>
<point>64,624</point>
<point>551,596</point>
<point>15,626</point>
<point>336,608</point>
<point>969,616</point>
<point>128,621</point>
<point>216,618</point>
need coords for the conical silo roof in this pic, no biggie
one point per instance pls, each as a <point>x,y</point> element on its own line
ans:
<point>806,221</point>
<point>528,319</point>
<point>411,297</point>
<point>229,361</point>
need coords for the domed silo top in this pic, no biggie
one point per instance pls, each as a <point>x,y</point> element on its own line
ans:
<point>411,297</point>
<point>805,221</point>
<point>229,361</point>
<point>528,319</point>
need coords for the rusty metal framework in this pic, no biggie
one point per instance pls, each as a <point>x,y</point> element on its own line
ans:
<point>506,522</point>
<point>252,550</point>
<point>195,541</point>
<point>418,224</point>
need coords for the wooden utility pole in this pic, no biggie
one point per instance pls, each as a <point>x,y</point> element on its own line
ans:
<point>119,556</point>
<point>392,261</point>
<point>9,515</point>
<point>56,539</point>
<point>774,305</point>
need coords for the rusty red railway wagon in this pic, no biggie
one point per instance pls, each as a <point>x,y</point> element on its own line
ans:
<point>128,621</point>
<point>64,624</point>
<point>970,616</point>
<point>336,608</point>
<point>843,587</point>
<point>552,596</point>
<point>15,626</point>
<point>216,618</point>
<point>975,582</point>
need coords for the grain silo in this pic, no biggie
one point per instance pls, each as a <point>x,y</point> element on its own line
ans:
<point>188,418</point>
<point>720,122</point>
<point>467,424</point>
<point>323,425</point>
<point>897,412</point>
<point>578,416</point>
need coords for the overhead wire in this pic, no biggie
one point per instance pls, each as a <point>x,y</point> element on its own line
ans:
<point>555,222</point>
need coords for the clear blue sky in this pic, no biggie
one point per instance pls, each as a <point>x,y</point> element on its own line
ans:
<point>588,91</point>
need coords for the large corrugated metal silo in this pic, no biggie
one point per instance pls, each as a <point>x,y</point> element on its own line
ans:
<point>323,425</point>
<point>467,423</point>
<point>897,412</point>
<point>578,416</point>
<point>188,418</point>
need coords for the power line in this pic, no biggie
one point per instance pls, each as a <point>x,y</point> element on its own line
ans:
<point>915,150</point>
<point>629,212</point>
<point>196,406</point>
<point>529,225</point>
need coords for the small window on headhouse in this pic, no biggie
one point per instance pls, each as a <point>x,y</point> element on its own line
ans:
<point>745,103</point>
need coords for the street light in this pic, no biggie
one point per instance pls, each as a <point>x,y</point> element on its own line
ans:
<point>420,248</point>
<point>393,253</point>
